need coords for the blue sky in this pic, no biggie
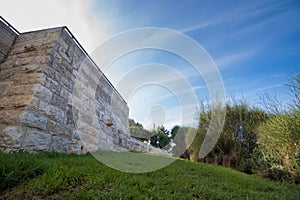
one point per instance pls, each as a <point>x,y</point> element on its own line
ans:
<point>255,44</point>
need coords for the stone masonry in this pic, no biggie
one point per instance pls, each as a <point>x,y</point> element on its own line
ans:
<point>54,98</point>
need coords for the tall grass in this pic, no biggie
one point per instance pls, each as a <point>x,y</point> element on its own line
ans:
<point>264,141</point>
<point>237,140</point>
<point>279,139</point>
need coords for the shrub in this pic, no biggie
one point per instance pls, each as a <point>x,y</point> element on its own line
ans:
<point>237,140</point>
<point>279,139</point>
<point>279,142</point>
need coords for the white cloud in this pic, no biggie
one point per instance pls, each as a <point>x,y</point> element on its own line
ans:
<point>203,24</point>
<point>77,15</point>
<point>232,58</point>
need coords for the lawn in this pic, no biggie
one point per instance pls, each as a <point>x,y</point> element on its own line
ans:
<point>59,176</point>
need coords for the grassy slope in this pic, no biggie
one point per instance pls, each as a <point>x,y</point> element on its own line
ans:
<point>58,176</point>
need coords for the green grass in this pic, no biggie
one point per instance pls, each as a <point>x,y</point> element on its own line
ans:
<point>58,176</point>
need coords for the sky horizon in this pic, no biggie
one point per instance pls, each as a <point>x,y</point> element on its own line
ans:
<point>254,44</point>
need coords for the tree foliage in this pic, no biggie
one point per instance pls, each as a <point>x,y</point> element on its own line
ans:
<point>237,139</point>
<point>137,131</point>
<point>279,140</point>
<point>264,141</point>
<point>159,137</point>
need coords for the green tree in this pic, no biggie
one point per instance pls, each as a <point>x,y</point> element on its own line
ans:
<point>174,131</point>
<point>137,131</point>
<point>161,137</point>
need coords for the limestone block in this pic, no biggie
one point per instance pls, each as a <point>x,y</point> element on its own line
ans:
<point>53,33</point>
<point>21,90</point>
<point>43,93</point>
<point>52,85</point>
<point>4,86</point>
<point>67,83</point>
<point>9,62</point>
<point>32,68</point>
<point>30,36</point>
<point>59,102</point>
<point>82,128</point>
<point>55,128</point>
<point>51,73</point>
<point>56,113</point>
<point>36,140</point>
<point>57,57</point>
<point>31,52</point>
<point>65,93</point>
<point>36,38</point>
<point>78,88</point>
<point>77,147</point>
<point>71,116</point>
<point>51,111</point>
<point>30,60</point>
<point>11,136</point>
<point>9,116</point>
<point>89,141</point>
<point>58,67</point>
<point>69,76</point>
<point>6,74</point>
<point>66,62</point>
<point>62,44</point>
<point>60,144</point>
<point>103,94</point>
<point>86,118</point>
<point>34,120</point>
<point>75,135</point>
<point>15,101</point>
<point>22,79</point>
<point>33,105</point>
<point>27,47</point>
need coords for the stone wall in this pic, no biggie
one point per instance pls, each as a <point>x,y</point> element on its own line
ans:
<point>25,87</point>
<point>7,38</point>
<point>53,97</point>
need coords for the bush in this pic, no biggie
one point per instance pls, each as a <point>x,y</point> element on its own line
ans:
<point>279,139</point>
<point>279,144</point>
<point>237,140</point>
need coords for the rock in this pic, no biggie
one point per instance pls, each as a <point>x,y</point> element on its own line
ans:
<point>15,101</point>
<point>60,144</point>
<point>9,117</point>
<point>43,93</point>
<point>34,120</point>
<point>11,137</point>
<point>36,140</point>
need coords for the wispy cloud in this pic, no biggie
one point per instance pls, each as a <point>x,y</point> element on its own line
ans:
<point>200,25</point>
<point>240,12</point>
<point>231,59</point>
<point>251,90</point>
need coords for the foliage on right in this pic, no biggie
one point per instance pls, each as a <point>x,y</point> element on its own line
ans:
<point>237,140</point>
<point>279,140</point>
<point>261,141</point>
